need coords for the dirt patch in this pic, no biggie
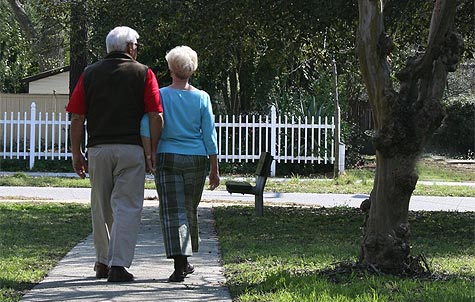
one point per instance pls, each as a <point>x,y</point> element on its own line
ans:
<point>438,162</point>
<point>450,164</point>
<point>415,268</point>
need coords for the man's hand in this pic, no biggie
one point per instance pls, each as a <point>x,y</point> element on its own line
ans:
<point>77,132</point>
<point>79,165</point>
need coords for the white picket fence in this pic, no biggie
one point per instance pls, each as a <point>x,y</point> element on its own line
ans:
<point>240,138</point>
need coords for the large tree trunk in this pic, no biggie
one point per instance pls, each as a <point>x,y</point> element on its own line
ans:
<point>78,43</point>
<point>404,121</point>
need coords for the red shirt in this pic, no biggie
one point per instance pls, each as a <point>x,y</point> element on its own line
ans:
<point>77,102</point>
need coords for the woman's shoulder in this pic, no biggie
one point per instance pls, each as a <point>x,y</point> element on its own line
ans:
<point>194,90</point>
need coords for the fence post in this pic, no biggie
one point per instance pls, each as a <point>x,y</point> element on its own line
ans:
<point>337,144</point>
<point>32,134</point>
<point>341,162</point>
<point>273,125</point>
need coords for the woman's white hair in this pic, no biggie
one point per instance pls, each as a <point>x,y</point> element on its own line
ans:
<point>118,38</point>
<point>182,61</point>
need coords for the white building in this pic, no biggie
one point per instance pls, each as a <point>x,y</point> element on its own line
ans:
<point>55,81</point>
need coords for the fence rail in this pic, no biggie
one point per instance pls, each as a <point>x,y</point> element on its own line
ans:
<point>240,138</point>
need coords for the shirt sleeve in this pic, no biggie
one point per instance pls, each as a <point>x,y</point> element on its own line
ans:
<point>77,102</point>
<point>210,136</point>
<point>145,126</point>
<point>152,93</point>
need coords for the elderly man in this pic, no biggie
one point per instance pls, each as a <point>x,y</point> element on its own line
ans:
<point>112,95</point>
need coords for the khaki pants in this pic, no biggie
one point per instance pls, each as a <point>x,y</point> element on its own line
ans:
<point>117,174</point>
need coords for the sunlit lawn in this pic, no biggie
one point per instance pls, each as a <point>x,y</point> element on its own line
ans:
<point>33,237</point>
<point>281,256</point>
<point>278,257</point>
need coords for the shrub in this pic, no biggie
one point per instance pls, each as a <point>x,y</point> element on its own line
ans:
<point>456,135</point>
<point>41,165</point>
<point>358,143</point>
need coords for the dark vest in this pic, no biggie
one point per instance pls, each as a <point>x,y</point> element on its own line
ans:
<point>114,90</point>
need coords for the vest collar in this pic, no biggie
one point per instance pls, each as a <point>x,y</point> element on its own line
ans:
<point>118,55</point>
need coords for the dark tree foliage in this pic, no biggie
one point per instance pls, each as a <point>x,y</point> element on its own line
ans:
<point>252,53</point>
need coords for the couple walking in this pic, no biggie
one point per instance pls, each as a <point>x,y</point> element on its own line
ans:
<point>134,127</point>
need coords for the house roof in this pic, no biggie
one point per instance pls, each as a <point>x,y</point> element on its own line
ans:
<point>46,74</point>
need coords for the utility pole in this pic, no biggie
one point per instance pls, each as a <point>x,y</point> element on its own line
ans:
<point>337,150</point>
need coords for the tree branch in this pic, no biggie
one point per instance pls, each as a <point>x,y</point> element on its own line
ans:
<point>24,21</point>
<point>372,48</point>
<point>441,21</point>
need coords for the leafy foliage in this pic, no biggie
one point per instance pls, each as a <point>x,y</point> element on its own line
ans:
<point>15,54</point>
<point>252,53</point>
<point>457,133</point>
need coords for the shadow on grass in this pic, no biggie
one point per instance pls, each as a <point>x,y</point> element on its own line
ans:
<point>7,283</point>
<point>34,237</point>
<point>285,286</point>
<point>293,251</point>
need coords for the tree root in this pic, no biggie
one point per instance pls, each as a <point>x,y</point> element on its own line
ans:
<point>413,268</point>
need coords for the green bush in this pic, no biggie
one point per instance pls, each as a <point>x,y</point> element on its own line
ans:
<point>282,170</point>
<point>231,168</point>
<point>14,165</point>
<point>358,143</point>
<point>53,165</point>
<point>456,135</point>
<point>41,165</point>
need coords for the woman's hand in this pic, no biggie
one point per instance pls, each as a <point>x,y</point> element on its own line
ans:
<point>213,180</point>
<point>149,164</point>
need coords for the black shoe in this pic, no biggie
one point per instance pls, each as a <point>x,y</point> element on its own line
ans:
<point>189,269</point>
<point>119,274</point>
<point>179,264</point>
<point>177,277</point>
<point>102,270</point>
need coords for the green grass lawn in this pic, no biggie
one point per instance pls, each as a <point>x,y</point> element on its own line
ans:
<point>283,256</point>
<point>356,181</point>
<point>33,238</point>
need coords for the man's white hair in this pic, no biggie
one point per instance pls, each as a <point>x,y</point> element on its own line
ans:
<point>118,38</point>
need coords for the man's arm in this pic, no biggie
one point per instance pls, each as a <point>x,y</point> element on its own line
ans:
<point>147,149</point>
<point>77,133</point>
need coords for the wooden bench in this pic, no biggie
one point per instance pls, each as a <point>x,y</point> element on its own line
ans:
<point>262,171</point>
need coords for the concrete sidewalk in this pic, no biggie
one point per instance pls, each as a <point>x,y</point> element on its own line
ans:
<point>73,278</point>
<point>418,203</point>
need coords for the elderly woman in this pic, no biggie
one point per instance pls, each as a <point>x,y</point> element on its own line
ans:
<point>188,141</point>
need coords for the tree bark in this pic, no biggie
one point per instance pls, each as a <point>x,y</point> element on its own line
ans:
<point>46,46</point>
<point>28,30</point>
<point>404,121</point>
<point>234,92</point>
<point>23,20</point>
<point>78,43</point>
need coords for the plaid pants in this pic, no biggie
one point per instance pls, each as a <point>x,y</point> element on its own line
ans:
<point>180,180</point>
